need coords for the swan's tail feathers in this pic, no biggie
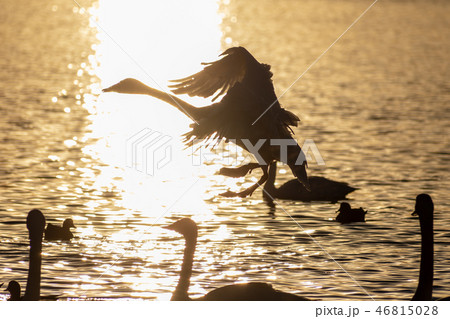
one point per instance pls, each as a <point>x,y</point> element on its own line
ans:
<point>289,118</point>
<point>300,172</point>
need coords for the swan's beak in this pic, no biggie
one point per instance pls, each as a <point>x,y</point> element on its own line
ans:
<point>168,227</point>
<point>109,89</point>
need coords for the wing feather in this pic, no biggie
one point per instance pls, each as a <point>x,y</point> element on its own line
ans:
<point>220,75</point>
<point>249,92</point>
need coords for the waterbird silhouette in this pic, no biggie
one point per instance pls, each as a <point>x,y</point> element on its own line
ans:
<point>322,189</point>
<point>425,209</point>
<point>36,226</point>
<point>256,291</point>
<point>54,232</point>
<point>347,214</point>
<point>14,291</point>
<point>249,113</point>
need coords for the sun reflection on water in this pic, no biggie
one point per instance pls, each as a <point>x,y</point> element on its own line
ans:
<point>154,43</point>
<point>65,145</point>
<point>148,44</point>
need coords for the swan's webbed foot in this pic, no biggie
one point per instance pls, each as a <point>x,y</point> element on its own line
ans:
<point>246,192</point>
<point>243,194</point>
<point>229,193</point>
<point>238,171</point>
<point>249,191</point>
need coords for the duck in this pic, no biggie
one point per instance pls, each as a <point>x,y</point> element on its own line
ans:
<point>36,226</point>
<point>54,232</point>
<point>321,189</point>
<point>424,209</point>
<point>255,291</point>
<point>14,291</point>
<point>249,114</point>
<point>347,214</point>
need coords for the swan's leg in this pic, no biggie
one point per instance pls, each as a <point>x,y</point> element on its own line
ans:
<point>238,171</point>
<point>249,191</point>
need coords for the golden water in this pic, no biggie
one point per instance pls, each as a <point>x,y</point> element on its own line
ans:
<point>376,105</point>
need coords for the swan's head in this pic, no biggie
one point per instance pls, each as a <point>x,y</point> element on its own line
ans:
<point>424,206</point>
<point>185,226</point>
<point>130,86</point>
<point>344,208</point>
<point>13,288</point>
<point>35,223</point>
<point>68,223</point>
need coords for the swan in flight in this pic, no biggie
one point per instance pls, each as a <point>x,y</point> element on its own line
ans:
<point>238,292</point>
<point>248,115</point>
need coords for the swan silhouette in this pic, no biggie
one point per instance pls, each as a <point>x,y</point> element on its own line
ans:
<point>249,113</point>
<point>36,226</point>
<point>347,214</point>
<point>424,209</point>
<point>57,232</point>
<point>322,189</point>
<point>257,291</point>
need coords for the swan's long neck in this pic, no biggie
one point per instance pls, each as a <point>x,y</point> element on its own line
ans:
<point>183,106</point>
<point>132,86</point>
<point>269,186</point>
<point>33,289</point>
<point>181,291</point>
<point>424,289</point>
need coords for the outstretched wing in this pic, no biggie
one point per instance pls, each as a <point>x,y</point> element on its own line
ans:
<point>249,109</point>
<point>218,76</point>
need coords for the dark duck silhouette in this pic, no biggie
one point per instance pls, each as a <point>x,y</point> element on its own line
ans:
<point>14,291</point>
<point>238,292</point>
<point>36,226</point>
<point>322,189</point>
<point>347,214</point>
<point>60,233</point>
<point>249,114</point>
<point>424,209</point>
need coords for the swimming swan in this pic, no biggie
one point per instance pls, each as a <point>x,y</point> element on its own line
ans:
<point>425,209</point>
<point>257,291</point>
<point>322,189</point>
<point>36,226</point>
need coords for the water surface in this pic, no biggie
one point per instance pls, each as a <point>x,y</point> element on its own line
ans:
<point>376,105</point>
